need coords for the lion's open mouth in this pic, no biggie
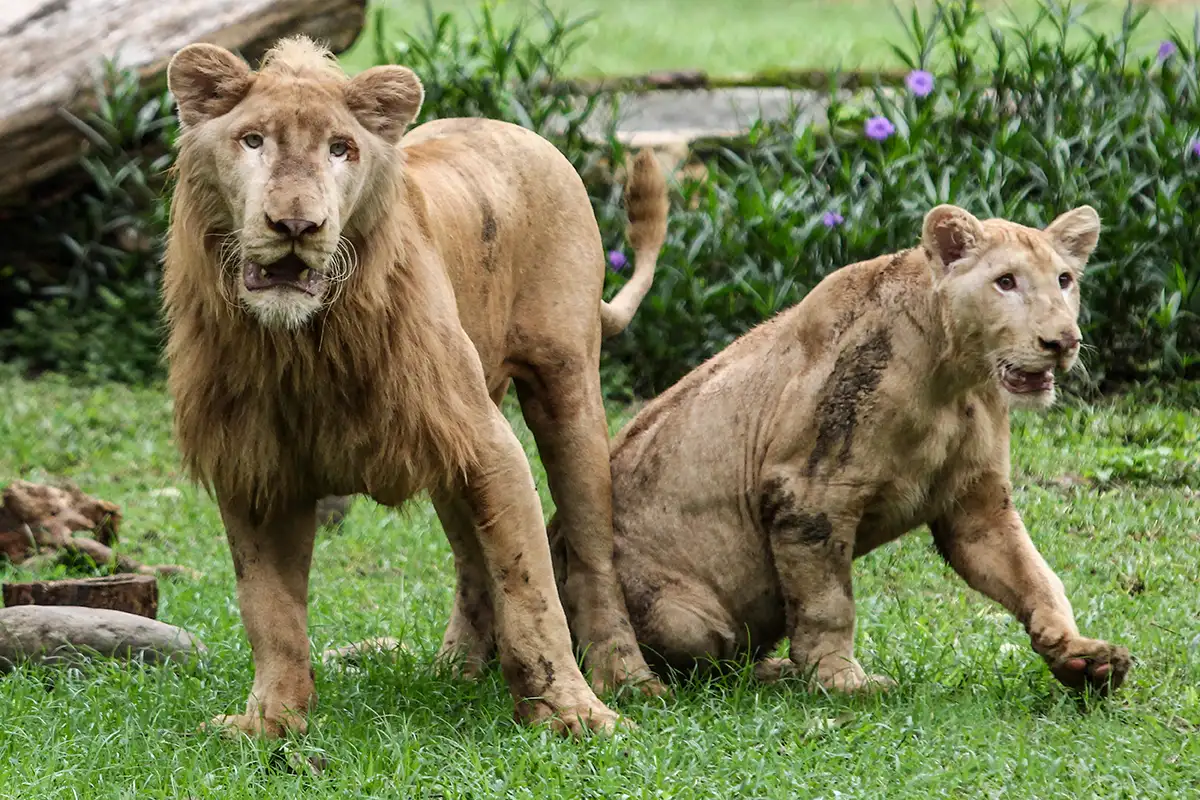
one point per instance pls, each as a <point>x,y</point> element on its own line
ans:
<point>1022,382</point>
<point>289,272</point>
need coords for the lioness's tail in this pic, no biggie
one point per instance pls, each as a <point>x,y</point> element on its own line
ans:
<point>646,209</point>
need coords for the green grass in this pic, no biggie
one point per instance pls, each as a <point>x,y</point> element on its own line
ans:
<point>976,713</point>
<point>725,37</point>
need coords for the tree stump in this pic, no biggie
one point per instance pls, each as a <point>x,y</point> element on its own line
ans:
<point>54,48</point>
<point>133,594</point>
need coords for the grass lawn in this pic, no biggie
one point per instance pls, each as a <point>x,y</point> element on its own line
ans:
<point>976,713</point>
<point>726,37</point>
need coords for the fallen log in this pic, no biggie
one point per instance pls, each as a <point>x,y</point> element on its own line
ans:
<point>133,594</point>
<point>55,48</point>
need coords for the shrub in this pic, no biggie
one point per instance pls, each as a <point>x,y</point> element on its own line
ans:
<point>1024,127</point>
<point>91,300</point>
<point>1015,124</point>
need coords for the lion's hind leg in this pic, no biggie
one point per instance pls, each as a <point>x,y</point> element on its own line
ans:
<point>563,407</point>
<point>469,642</point>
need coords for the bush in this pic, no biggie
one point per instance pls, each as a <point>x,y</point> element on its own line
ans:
<point>1022,126</point>
<point>1025,127</point>
<point>91,299</point>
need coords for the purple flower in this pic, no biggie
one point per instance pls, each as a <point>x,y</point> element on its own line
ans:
<point>1196,147</point>
<point>879,128</point>
<point>617,260</point>
<point>1166,50</point>
<point>831,219</point>
<point>919,82</point>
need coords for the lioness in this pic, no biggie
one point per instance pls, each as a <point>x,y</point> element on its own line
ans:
<point>877,404</point>
<point>345,307</point>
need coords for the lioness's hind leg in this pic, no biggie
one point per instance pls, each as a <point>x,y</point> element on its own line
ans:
<point>563,407</point>
<point>469,641</point>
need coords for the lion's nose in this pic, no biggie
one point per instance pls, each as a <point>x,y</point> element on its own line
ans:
<point>293,228</point>
<point>1064,344</point>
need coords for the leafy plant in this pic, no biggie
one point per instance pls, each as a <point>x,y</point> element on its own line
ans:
<point>95,312</point>
<point>1023,127</point>
<point>513,73</point>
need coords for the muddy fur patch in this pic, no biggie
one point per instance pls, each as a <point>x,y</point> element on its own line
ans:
<point>784,522</point>
<point>854,379</point>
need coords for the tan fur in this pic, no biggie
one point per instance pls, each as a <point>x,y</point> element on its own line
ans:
<point>874,406</point>
<point>344,311</point>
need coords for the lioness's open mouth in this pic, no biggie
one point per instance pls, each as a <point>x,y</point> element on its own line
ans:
<point>289,272</point>
<point>1021,382</point>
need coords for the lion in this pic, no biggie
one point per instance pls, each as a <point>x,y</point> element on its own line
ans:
<point>878,404</point>
<point>346,308</point>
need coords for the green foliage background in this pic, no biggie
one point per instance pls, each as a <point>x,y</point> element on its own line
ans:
<point>1023,125</point>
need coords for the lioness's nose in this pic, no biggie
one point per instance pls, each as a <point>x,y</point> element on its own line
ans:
<point>1063,344</point>
<point>295,228</point>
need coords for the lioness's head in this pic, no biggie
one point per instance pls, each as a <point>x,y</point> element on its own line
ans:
<point>291,159</point>
<point>1012,292</point>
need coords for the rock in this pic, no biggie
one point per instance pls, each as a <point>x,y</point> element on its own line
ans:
<point>133,594</point>
<point>333,509</point>
<point>71,634</point>
<point>351,656</point>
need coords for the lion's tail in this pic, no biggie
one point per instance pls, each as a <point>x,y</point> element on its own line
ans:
<point>646,209</point>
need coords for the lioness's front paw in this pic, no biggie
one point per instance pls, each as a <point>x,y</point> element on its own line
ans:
<point>844,677</point>
<point>1091,663</point>
<point>574,720</point>
<point>257,725</point>
<point>611,676</point>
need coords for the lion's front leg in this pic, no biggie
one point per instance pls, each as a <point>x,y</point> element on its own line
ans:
<point>811,533</point>
<point>271,559</point>
<point>984,540</point>
<point>531,628</point>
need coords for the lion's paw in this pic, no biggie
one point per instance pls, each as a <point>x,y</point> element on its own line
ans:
<point>1091,663</point>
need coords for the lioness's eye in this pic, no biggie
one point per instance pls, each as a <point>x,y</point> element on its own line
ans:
<point>253,140</point>
<point>1006,282</point>
<point>339,149</point>
<point>1064,281</point>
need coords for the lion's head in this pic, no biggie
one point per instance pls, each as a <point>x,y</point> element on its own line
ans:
<point>1012,293</point>
<point>290,161</point>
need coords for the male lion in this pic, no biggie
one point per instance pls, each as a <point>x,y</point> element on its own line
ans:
<point>877,404</point>
<point>343,312</point>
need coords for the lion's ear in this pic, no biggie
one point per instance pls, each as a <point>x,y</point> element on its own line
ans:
<point>1075,234</point>
<point>385,100</point>
<point>951,234</point>
<point>207,81</point>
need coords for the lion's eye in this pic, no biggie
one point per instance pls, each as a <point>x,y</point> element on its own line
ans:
<point>253,140</point>
<point>1065,280</point>
<point>1006,282</point>
<point>339,149</point>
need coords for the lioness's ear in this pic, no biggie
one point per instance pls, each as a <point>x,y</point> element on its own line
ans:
<point>207,81</point>
<point>385,100</point>
<point>951,234</point>
<point>1075,234</point>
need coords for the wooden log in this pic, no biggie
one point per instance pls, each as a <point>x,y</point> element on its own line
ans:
<point>133,594</point>
<point>54,48</point>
